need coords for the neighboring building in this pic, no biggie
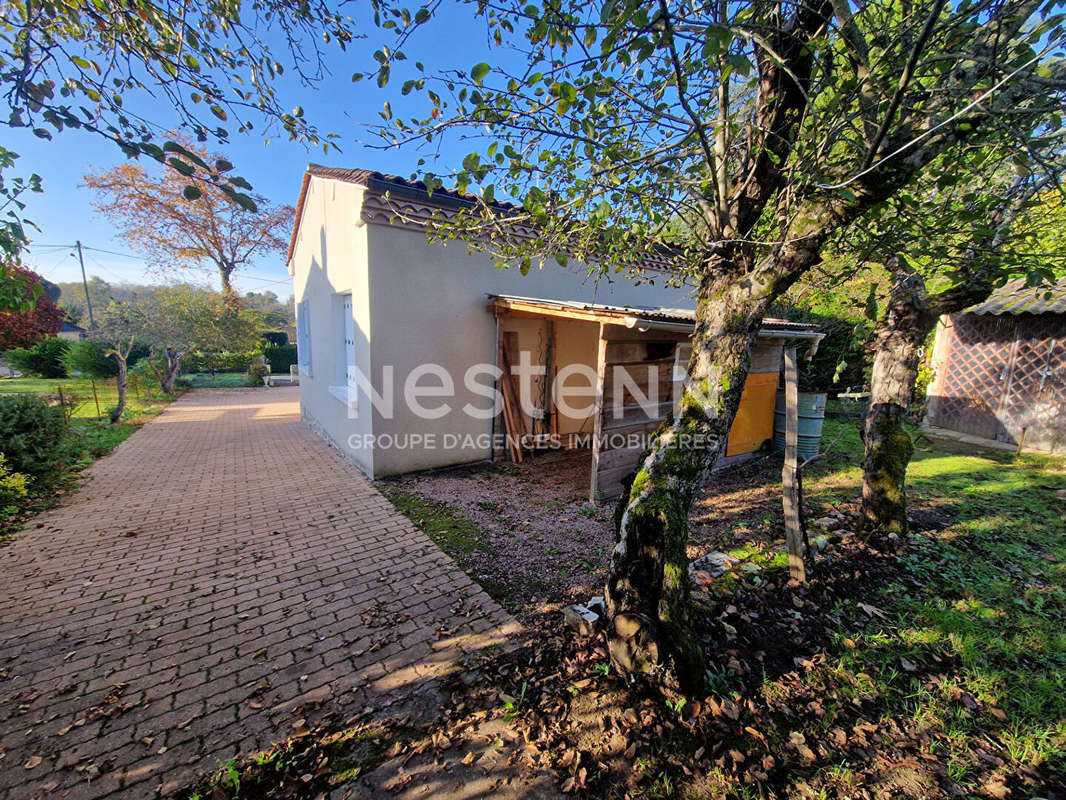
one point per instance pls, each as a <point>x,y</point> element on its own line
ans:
<point>68,330</point>
<point>375,303</point>
<point>1000,369</point>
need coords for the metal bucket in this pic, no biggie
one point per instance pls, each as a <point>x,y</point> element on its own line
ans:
<point>811,415</point>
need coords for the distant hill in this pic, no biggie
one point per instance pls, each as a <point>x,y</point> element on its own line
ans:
<point>278,314</point>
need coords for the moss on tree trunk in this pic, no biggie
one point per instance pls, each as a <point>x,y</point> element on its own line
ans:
<point>898,339</point>
<point>650,632</point>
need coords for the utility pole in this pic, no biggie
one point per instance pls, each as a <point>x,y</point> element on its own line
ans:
<point>85,284</point>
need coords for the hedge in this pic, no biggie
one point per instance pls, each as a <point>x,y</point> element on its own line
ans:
<point>280,358</point>
<point>217,362</point>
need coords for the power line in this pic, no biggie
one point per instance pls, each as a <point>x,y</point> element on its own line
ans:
<point>113,252</point>
<point>73,247</point>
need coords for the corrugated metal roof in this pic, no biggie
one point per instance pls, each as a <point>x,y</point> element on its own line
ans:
<point>659,313</point>
<point>1017,298</point>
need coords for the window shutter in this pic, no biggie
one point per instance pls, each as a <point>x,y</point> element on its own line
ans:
<point>303,339</point>
<point>349,346</point>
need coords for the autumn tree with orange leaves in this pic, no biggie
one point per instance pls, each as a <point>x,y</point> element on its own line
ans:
<point>181,220</point>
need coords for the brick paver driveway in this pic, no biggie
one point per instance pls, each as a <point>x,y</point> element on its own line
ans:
<point>220,577</point>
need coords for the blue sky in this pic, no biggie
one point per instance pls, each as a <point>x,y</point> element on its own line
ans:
<point>64,213</point>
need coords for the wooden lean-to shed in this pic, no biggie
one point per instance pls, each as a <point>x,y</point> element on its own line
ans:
<point>632,350</point>
<point>1000,369</point>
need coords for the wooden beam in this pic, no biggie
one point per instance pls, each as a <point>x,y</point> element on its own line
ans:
<point>791,496</point>
<point>536,309</point>
<point>601,371</point>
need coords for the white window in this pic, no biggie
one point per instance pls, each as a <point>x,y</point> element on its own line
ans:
<point>349,347</point>
<point>344,384</point>
<point>303,338</point>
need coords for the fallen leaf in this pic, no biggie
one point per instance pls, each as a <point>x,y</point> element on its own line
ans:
<point>873,611</point>
<point>33,762</point>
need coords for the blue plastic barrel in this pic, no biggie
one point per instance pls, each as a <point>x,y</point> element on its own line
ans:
<point>811,415</point>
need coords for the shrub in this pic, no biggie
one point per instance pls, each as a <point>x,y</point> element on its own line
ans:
<point>276,338</point>
<point>12,485</point>
<point>256,373</point>
<point>31,433</point>
<point>90,359</point>
<point>280,358</point>
<point>217,362</point>
<point>44,359</point>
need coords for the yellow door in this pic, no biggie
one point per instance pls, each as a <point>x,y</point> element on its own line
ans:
<point>754,423</point>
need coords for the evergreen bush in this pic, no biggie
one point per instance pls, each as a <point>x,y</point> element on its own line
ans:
<point>32,434</point>
<point>44,359</point>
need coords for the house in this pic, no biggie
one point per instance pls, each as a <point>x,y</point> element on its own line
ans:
<point>402,343</point>
<point>71,332</point>
<point>1000,369</point>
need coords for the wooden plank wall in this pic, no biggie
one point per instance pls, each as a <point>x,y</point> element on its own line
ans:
<point>638,391</point>
<point>623,427</point>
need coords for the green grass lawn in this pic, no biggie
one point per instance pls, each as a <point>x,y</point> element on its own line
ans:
<point>985,597</point>
<point>142,397</point>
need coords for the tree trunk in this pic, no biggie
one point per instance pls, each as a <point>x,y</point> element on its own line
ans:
<point>120,384</point>
<point>897,342</point>
<point>172,370</point>
<point>231,300</point>
<point>648,585</point>
<point>169,374</point>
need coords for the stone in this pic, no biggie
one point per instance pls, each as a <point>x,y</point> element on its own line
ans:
<point>828,523</point>
<point>820,543</point>
<point>581,618</point>
<point>716,563</point>
<point>597,605</point>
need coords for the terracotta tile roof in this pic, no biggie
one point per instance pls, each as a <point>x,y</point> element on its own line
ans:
<point>1017,298</point>
<point>378,182</point>
<point>398,187</point>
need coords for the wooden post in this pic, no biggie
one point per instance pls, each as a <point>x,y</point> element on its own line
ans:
<point>791,497</point>
<point>97,399</point>
<point>546,395</point>
<point>597,422</point>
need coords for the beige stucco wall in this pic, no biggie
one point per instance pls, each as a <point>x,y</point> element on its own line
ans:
<point>428,304</point>
<point>330,260</point>
<point>419,303</point>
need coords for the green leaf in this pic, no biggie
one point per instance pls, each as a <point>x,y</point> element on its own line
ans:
<point>181,166</point>
<point>479,72</point>
<point>191,193</point>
